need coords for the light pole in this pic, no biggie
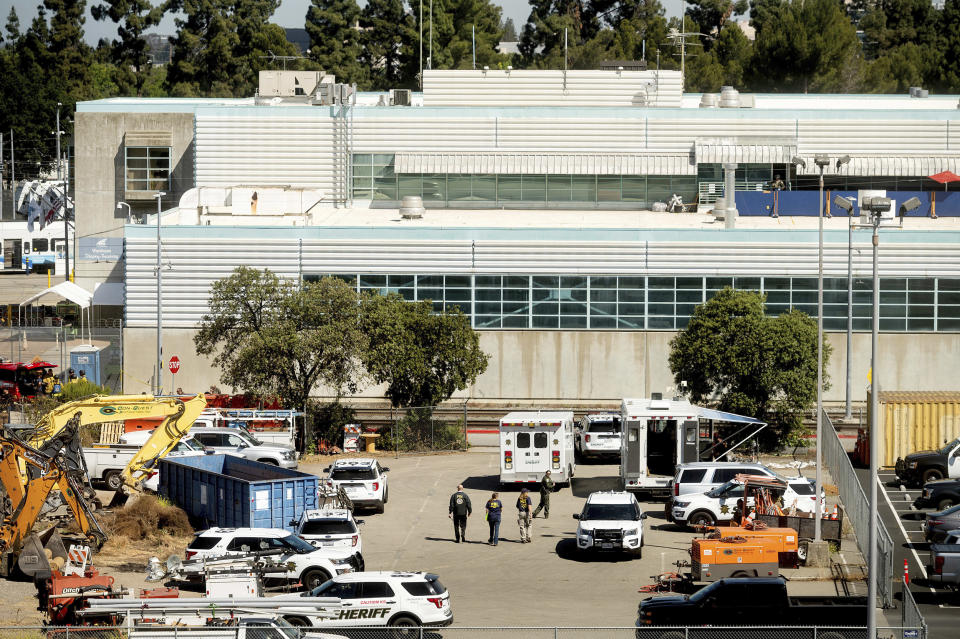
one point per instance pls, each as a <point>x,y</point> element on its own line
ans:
<point>159,195</point>
<point>120,205</point>
<point>63,203</point>
<point>875,207</point>
<point>847,414</point>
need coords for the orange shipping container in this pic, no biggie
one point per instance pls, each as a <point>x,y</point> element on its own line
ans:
<point>916,420</point>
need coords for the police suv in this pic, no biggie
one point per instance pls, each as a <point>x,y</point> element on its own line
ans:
<point>720,504</point>
<point>613,521</point>
<point>310,566</point>
<point>330,528</point>
<point>363,480</point>
<point>383,598</point>
<point>598,435</point>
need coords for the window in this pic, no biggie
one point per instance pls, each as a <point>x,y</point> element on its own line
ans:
<point>376,589</point>
<point>236,440</point>
<point>211,439</point>
<point>329,527</point>
<point>431,586</point>
<point>347,474</point>
<point>40,244</point>
<point>203,543</point>
<point>540,440</point>
<point>337,589</point>
<point>147,168</point>
<point>523,440</point>
<point>693,475</point>
<point>249,544</point>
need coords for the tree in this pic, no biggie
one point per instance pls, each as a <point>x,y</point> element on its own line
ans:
<point>455,24</point>
<point>281,338</point>
<point>711,15</point>
<point>753,363</point>
<point>129,51</point>
<point>950,45</point>
<point>724,65</point>
<point>202,62</point>
<point>509,30</point>
<point>803,46</point>
<point>335,39</point>
<point>422,357</point>
<point>388,45</point>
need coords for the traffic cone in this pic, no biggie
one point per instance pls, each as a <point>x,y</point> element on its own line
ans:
<point>834,514</point>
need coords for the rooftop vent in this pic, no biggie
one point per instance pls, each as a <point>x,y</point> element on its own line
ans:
<point>401,97</point>
<point>709,100</point>
<point>919,92</point>
<point>411,207</point>
<point>729,98</point>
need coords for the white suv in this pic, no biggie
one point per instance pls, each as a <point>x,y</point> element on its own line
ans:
<point>611,520</point>
<point>383,598</point>
<point>598,435</point>
<point>330,528</point>
<point>238,441</point>
<point>363,480</point>
<point>719,504</point>
<point>311,566</point>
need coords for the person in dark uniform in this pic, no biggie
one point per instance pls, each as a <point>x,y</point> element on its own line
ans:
<point>524,520</point>
<point>776,186</point>
<point>494,511</point>
<point>460,509</point>
<point>546,487</point>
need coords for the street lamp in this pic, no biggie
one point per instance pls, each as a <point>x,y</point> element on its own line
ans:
<point>63,185</point>
<point>875,207</point>
<point>159,195</point>
<point>847,414</point>
<point>120,205</point>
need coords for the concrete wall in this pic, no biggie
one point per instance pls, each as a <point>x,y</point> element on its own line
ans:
<point>589,365</point>
<point>100,178</point>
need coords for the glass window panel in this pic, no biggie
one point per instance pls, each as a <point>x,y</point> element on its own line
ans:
<point>514,308</point>
<point>835,284</point>
<point>809,309</point>
<point>920,324</point>
<point>916,298</point>
<point>434,187</point>
<point>603,295</point>
<point>660,322</point>
<point>948,311</point>
<point>660,309</point>
<point>862,297</point>
<point>558,188</point>
<point>888,297</point>
<point>893,310</point>
<point>516,281</point>
<point>893,324</point>
<point>630,322</point>
<point>487,308</point>
<point>508,188</point>
<point>458,281</point>
<point>948,298</point>
<point>362,171</point>
<point>573,321</point>
<point>947,284</point>
<point>385,188</point>
<point>660,283</point>
<point>862,284</point>
<point>515,295</point>
<point>634,188</point>
<point>747,283</point>
<point>485,187</point>
<point>685,309</point>
<point>804,297</point>
<point>630,296</point>
<point>603,322</point>
<point>776,284</point>
<point>408,294</point>
<point>603,309</point>
<point>569,308</point>
<point>383,171</point>
<point>488,281</point>
<point>546,321</point>
<point>573,294</point>
<point>457,294</point>
<point>893,284</point>
<point>689,296</point>
<point>631,282</point>
<point>777,309</point>
<point>948,324</point>
<point>695,283</point>
<point>862,325</point>
<point>382,158</point>
<point>603,282</point>
<point>546,308</point>
<point>463,306</point>
<point>430,280</point>
<point>834,310</point>
<point>486,321</point>
<point>362,194</point>
<point>534,188</point>
<point>631,309</point>
<point>458,187</point>
<point>541,294</point>
<point>584,188</point>
<point>430,293</point>
<point>400,280</point>
<point>661,296</point>
<point>834,324</point>
<point>487,294</point>
<point>136,151</point>
<point>362,158</point>
<point>573,281</point>
<point>608,188</point>
<point>719,283</point>
<point>919,311</point>
<point>805,284</point>
<point>546,281</point>
<point>834,297</point>
<point>516,321</point>
<point>410,185</point>
<point>373,281</point>
<point>778,297</point>
<point>686,187</point>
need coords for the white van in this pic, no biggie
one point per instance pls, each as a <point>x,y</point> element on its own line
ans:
<point>533,442</point>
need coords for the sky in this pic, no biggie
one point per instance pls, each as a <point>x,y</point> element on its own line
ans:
<point>290,14</point>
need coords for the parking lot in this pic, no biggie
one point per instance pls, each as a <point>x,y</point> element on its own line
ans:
<point>543,583</point>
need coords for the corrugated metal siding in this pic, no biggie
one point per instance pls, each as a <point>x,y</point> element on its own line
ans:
<point>874,165</point>
<point>389,135</point>
<point>859,136</point>
<point>910,425</point>
<point>719,152</point>
<point>497,87</point>
<point>264,150</point>
<point>550,163</point>
<point>194,264</point>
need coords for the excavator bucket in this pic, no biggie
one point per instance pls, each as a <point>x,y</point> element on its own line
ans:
<point>119,499</point>
<point>41,553</point>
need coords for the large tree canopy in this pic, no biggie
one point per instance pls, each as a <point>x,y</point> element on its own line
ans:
<point>749,362</point>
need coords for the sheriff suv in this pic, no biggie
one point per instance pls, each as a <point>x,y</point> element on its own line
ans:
<point>719,504</point>
<point>363,480</point>
<point>310,566</point>
<point>598,435</point>
<point>611,520</point>
<point>330,528</point>
<point>382,598</point>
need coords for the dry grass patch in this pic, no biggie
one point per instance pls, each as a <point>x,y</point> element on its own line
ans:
<point>145,527</point>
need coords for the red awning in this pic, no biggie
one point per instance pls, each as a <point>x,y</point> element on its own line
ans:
<point>944,177</point>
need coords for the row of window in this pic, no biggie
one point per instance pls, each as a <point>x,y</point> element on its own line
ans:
<point>666,303</point>
<point>147,168</point>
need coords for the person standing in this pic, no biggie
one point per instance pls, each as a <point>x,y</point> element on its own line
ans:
<point>776,186</point>
<point>523,515</point>
<point>460,509</point>
<point>494,510</point>
<point>546,487</point>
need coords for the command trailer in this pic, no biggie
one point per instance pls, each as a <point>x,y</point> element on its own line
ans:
<point>533,442</point>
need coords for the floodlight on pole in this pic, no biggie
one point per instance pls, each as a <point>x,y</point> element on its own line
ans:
<point>120,205</point>
<point>848,408</point>
<point>159,195</point>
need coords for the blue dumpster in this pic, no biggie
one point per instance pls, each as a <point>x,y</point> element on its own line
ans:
<point>232,492</point>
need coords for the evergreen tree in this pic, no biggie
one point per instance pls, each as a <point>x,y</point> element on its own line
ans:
<point>388,45</point>
<point>202,62</point>
<point>901,36</point>
<point>258,41</point>
<point>509,30</point>
<point>133,18</point>
<point>70,55</point>
<point>803,47</point>
<point>949,44</point>
<point>453,25</point>
<point>711,15</point>
<point>335,39</point>
<point>13,26</point>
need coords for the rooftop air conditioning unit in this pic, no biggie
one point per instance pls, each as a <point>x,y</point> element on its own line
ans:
<point>401,97</point>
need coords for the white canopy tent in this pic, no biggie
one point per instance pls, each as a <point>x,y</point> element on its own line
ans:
<point>69,291</point>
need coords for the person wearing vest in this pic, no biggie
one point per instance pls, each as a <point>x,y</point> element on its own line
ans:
<point>494,510</point>
<point>546,487</point>
<point>523,515</point>
<point>460,509</point>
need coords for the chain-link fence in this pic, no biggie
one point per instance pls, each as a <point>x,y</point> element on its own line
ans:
<point>414,632</point>
<point>857,507</point>
<point>425,428</point>
<point>910,611</point>
<point>55,345</point>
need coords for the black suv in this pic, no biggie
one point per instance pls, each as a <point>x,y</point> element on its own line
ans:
<point>941,494</point>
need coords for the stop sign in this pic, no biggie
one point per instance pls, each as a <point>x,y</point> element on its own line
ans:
<point>174,364</point>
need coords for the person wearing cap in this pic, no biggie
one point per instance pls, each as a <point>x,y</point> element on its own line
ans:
<point>460,509</point>
<point>494,510</point>
<point>523,515</point>
<point>546,487</point>
<point>71,376</point>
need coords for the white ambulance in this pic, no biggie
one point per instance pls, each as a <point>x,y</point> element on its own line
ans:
<point>533,442</point>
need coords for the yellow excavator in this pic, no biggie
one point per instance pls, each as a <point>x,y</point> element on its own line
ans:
<point>51,457</point>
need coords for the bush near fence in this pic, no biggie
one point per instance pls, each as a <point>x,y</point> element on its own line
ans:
<point>418,430</point>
